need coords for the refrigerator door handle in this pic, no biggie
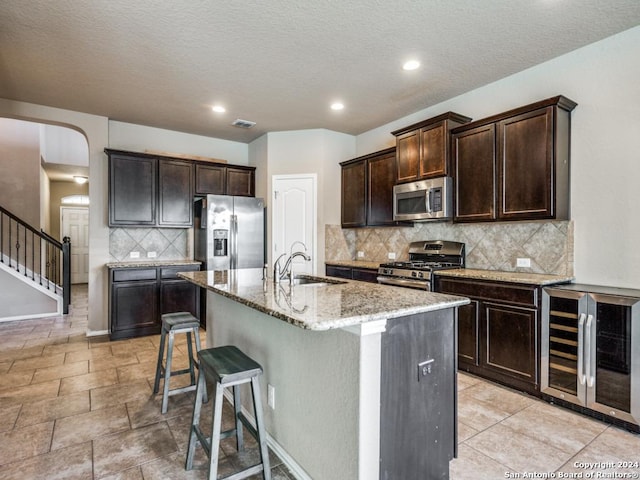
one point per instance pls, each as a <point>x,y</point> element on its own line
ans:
<point>587,346</point>
<point>582,378</point>
<point>234,241</point>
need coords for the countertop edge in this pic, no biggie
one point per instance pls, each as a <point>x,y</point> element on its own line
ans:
<point>154,263</point>
<point>527,278</point>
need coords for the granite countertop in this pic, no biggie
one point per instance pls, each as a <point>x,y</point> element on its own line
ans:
<point>354,264</point>
<point>499,276</point>
<point>341,303</point>
<point>151,263</point>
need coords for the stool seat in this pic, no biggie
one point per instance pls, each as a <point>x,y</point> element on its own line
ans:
<point>228,367</point>
<point>172,323</point>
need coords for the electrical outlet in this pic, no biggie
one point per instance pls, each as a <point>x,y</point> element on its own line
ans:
<point>523,262</point>
<point>271,396</point>
<point>360,254</point>
<point>391,255</point>
<point>425,368</point>
<point>134,254</point>
<point>152,254</point>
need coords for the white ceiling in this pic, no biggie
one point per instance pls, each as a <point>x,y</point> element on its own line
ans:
<point>280,63</point>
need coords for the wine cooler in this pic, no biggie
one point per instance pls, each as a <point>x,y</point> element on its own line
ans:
<point>590,352</point>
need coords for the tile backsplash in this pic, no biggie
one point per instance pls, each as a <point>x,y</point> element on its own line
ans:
<point>495,246</point>
<point>168,243</point>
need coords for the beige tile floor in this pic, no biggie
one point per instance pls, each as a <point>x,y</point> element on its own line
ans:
<point>78,408</point>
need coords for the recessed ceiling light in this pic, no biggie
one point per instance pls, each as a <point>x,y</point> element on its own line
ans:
<point>337,106</point>
<point>218,109</point>
<point>411,65</point>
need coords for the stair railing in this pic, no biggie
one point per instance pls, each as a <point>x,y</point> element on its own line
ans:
<point>36,255</point>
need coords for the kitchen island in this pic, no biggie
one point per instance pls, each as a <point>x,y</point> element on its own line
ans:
<point>363,375</point>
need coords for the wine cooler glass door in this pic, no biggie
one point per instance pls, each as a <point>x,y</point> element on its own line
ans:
<point>563,353</point>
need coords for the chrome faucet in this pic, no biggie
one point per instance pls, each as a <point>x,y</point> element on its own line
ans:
<point>277,274</point>
<point>287,268</point>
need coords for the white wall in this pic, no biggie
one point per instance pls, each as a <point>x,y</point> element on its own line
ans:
<point>64,145</point>
<point>305,151</point>
<point>138,138</point>
<point>605,159</point>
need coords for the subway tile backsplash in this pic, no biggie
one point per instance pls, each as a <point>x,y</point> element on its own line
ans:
<point>495,246</point>
<point>168,243</point>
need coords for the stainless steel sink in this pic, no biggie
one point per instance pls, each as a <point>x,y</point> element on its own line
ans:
<point>315,281</point>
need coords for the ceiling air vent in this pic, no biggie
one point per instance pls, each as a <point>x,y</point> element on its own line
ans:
<point>243,123</point>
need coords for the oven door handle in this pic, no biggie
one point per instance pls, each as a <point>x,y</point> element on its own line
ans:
<point>401,282</point>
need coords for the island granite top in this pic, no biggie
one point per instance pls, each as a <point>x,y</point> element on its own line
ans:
<point>499,276</point>
<point>324,306</point>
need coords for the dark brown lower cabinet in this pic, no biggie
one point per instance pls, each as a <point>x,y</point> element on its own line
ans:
<point>352,273</point>
<point>499,331</point>
<point>468,334</point>
<point>139,296</point>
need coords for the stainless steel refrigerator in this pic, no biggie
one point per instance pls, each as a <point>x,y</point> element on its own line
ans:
<point>228,234</point>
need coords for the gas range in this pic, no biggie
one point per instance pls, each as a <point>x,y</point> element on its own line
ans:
<point>424,258</point>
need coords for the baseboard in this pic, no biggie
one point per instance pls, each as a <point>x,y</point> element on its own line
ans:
<point>97,333</point>
<point>30,317</point>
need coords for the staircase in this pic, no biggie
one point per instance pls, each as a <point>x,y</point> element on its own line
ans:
<point>38,260</point>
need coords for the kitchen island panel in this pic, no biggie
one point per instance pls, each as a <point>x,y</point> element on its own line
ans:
<point>319,395</point>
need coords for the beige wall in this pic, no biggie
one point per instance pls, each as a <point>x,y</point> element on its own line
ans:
<point>20,169</point>
<point>57,191</point>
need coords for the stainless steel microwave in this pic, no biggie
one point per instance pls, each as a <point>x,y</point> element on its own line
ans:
<point>423,200</point>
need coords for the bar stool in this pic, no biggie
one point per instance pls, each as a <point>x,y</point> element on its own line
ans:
<point>172,323</point>
<point>228,367</point>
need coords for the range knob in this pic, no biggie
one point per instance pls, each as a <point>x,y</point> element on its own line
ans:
<point>420,275</point>
<point>414,274</point>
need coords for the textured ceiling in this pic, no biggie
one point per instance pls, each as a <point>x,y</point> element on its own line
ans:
<point>280,62</point>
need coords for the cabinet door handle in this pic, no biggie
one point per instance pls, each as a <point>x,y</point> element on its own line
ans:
<point>581,376</point>
<point>591,362</point>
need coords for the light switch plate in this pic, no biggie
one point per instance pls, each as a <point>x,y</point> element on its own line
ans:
<point>134,254</point>
<point>360,254</point>
<point>391,255</point>
<point>523,262</point>
<point>152,254</point>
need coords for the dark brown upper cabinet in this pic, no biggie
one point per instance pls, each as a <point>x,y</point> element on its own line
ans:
<point>423,148</point>
<point>132,189</point>
<point>210,179</point>
<point>515,165</point>
<point>241,181</point>
<point>175,193</point>
<point>224,180</point>
<point>145,190</point>
<point>367,189</point>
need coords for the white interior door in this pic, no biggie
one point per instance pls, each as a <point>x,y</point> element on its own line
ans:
<point>294,201</point>
<point>74,223</point>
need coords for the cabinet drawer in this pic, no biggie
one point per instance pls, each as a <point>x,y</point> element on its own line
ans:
<point>522,295</point>
<point>340,272</point>
<point>128,275</point>
<point>172,272</point>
